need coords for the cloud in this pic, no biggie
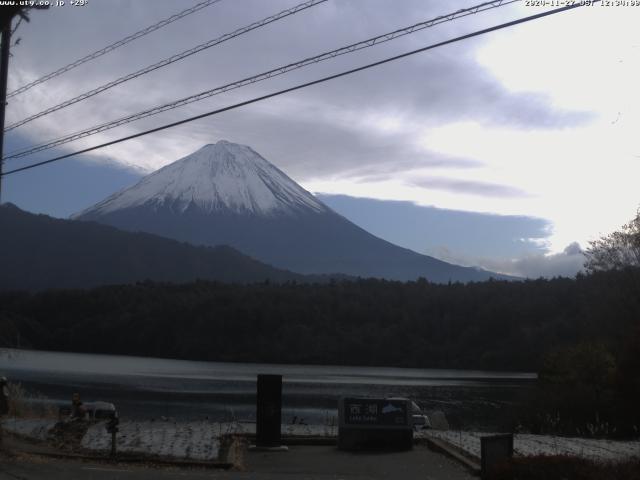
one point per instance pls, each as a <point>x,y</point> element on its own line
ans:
<point>426,229</point>
<point>483,189</point>
<point>370,133</point>
<point>407,162</point>
<point>564,264</point>
<point>368,121</point>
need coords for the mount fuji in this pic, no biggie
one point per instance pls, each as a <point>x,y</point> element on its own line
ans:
<point>227,194</point>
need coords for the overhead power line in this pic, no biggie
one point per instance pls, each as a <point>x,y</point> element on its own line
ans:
<point>167,61</point>
<point>370,42</point>
<point>114,45</point>
<point>301,86</point>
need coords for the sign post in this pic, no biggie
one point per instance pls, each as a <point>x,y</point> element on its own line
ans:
<point>269,412</point>
<point>112,428</point>
<point>4,403</point>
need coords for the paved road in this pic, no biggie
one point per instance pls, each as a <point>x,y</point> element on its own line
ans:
<point>299,463</point>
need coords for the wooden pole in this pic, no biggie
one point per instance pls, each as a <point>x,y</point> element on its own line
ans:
<point>4,70</point>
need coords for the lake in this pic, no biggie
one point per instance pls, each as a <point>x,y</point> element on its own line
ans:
<point>186,390</point>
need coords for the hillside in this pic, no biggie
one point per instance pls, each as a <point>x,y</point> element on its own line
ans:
<point>39,252</point>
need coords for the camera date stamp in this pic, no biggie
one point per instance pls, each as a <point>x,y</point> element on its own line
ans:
<point>49,3</point>
<point>582,3</point>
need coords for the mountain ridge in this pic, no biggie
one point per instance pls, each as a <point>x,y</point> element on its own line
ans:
<point>43,252</point>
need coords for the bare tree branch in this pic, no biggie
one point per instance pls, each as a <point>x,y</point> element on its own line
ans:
<point>617,250</point>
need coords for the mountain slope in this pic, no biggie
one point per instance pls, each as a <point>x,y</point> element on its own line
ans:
<point>39,252</point>
<point>228,194</point>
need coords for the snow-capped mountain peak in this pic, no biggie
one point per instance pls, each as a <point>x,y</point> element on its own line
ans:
<point>227,194</point>
<point>216,178</point>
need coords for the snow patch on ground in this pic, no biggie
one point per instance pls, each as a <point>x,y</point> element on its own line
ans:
<point>527,444</point>
<point>197,440</point>
<point>184,440</point>
<point>310,430</point>
<point>35,428</point>
<point>200,440</point>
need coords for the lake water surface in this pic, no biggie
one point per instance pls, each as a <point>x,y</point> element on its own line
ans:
<point>151,387</point>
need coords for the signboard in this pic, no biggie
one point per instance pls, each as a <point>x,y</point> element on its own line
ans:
<point>375,412</point>
<point>374,423</point>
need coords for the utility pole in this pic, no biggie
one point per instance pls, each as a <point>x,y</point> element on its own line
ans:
<point>4,70</point>
<point>6,16</point>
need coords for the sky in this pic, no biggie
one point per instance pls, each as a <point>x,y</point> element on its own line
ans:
<point>509,151</point>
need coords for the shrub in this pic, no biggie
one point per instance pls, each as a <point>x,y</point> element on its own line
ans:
<point>560,467</point>
<point>25,404</point>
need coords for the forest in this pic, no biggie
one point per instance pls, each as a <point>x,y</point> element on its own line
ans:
<point>499,325</point>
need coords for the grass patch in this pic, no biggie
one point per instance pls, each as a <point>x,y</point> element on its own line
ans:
<point>26,404</point>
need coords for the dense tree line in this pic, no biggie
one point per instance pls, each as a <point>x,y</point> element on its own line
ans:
<point>489,325</point>
<point>586,390</point>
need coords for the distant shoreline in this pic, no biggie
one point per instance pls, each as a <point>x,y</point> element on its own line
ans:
<point>152,388</point>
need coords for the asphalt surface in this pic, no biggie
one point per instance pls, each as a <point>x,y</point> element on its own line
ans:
<point>300,462</point>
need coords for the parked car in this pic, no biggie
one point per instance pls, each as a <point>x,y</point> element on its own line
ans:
<point>100,410</point>
<point>420,419</point>
<point>94,411</point>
